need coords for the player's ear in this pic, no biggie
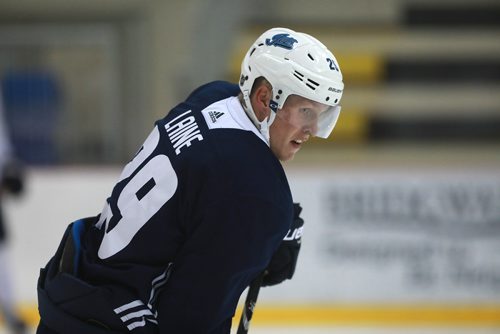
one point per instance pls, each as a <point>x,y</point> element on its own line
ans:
<point>260,101</point>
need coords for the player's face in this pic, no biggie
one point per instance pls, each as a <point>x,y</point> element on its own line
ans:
<point>294,124</point>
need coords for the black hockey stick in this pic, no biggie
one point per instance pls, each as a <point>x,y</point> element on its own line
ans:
<point>248,308</point>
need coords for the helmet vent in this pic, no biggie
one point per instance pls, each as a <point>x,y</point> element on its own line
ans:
<point>314,84</point>
<point>309,83</point>
<point>311,86</point>
<point>310,56</point>
<point>251,53</point>
<point>298,75</point>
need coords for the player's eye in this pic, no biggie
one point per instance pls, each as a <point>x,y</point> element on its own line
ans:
<point>307,113</point>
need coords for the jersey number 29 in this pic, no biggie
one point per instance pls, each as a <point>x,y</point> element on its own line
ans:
<point>153,184</point>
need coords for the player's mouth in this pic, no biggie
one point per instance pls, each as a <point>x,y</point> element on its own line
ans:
<point>297,143</point>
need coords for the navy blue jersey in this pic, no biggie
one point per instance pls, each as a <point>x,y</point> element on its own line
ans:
<point>195,216</point>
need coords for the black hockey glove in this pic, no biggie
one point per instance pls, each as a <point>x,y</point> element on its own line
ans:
<point>13,178</point>
<point>284,260</point>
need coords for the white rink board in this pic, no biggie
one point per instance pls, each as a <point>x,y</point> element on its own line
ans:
<point>53,198</point>
<point>371,236</point>
<point>403,236</point>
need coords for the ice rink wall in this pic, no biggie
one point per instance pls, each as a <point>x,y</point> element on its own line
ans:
<point>388,246</point>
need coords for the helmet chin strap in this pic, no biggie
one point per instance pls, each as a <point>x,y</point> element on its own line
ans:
<point>263,126</point>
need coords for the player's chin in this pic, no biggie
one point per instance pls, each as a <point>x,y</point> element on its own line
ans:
<point>288,154</point>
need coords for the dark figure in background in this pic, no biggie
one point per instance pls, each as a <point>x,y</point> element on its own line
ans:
<point>11,183</point>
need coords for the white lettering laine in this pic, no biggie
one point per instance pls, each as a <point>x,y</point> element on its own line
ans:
<point>182,131</point>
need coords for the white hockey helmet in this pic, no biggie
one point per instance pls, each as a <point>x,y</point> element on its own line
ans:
<point>293,63</point>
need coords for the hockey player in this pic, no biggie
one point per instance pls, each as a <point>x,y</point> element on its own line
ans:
<point>11,183</point>
<point>203,207</point>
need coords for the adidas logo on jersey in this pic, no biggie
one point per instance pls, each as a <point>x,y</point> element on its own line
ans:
<point>215,115</point>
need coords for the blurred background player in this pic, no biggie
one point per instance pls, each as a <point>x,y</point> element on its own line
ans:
<point>11,184</point>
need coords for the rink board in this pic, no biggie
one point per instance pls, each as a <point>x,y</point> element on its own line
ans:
<point>381,247</point>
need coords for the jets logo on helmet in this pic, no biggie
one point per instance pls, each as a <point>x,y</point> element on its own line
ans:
<point>282,40</point>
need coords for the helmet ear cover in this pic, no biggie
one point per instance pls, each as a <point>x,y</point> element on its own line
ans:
<point>294,63</point>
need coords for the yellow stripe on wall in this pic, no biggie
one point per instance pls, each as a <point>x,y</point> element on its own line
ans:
<point>403,315</point>
<point>361,68</point>
<point>29,313</point>
<point>357,315</point>
<point>352,126</point>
